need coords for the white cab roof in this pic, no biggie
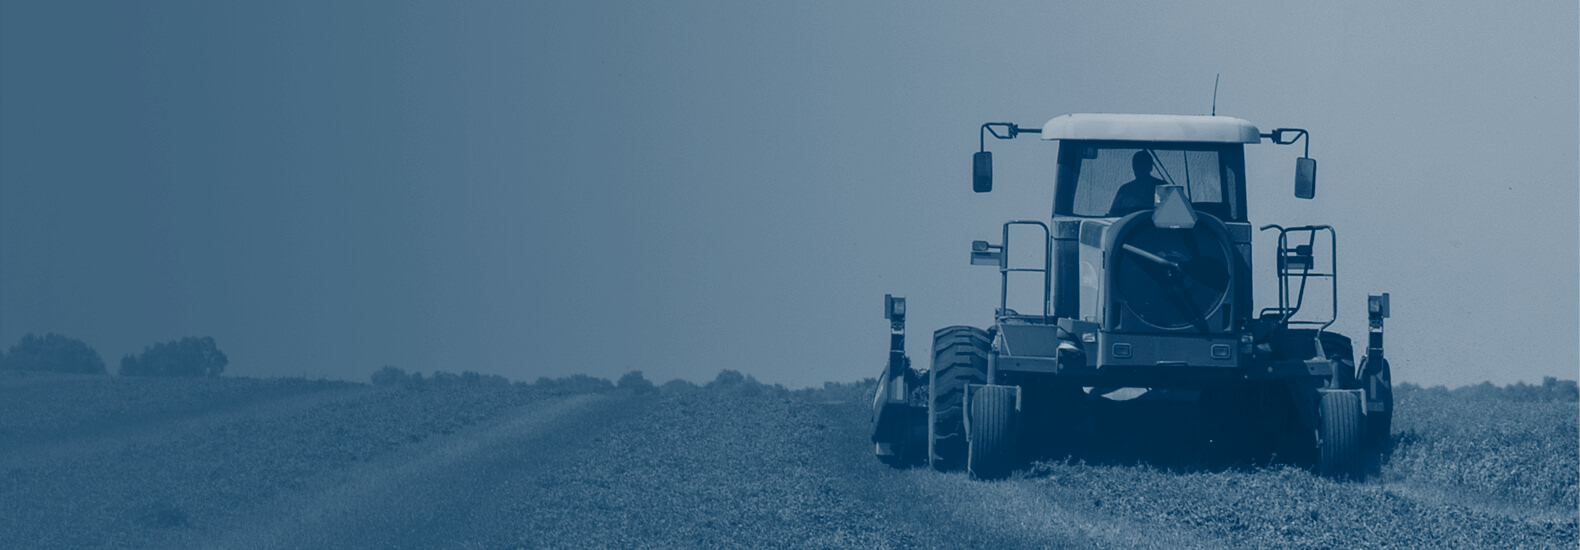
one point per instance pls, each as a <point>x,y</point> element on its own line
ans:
<point>1213,129</point>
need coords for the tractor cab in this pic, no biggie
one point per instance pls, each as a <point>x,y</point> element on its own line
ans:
<point>1114,165</point>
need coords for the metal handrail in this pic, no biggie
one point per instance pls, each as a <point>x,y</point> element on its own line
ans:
<point>1047,266</point>
<point>1285,309</point>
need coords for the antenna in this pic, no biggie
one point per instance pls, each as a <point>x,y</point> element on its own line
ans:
<point>1215,93</point>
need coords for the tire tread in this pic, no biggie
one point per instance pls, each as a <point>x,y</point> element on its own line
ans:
<point>1340,455</point>
<point>959,358</point>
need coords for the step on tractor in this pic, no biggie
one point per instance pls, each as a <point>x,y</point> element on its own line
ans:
<point>1146,296</point>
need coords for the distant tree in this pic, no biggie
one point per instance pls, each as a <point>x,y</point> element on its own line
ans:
<point>678,386</point>
<point>581,383</point>
<point>389,375</point>
<point>729,378</point>
<point>53,353</point>
<point>185,357</point>
<point>473,378</point>
<point>1554,389</point>
<point>743,384</point>
<point>634,382</point>
<point>442,378</point>
<point>1520,391</point>
<point>1484,390</point>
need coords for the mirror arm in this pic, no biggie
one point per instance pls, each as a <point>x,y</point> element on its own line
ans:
<point>1277,136</point>
<point>1010,131</point>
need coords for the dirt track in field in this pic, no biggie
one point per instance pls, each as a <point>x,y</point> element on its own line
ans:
<point>319,465</point>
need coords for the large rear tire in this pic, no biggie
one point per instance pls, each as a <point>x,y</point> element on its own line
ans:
<point>991,432</point>
<point>959,358</point>
<point>1341,423</point>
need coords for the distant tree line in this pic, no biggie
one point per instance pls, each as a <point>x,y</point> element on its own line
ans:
<point>184,357</point>
<point>1551,389</point>
<point>393,376</point>
<point>633,381</point>
<point>57,353</point>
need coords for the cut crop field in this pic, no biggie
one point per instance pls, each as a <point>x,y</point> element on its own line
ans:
<point>97,461</point>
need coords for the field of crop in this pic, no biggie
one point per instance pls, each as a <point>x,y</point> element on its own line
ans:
<point>96,461</point>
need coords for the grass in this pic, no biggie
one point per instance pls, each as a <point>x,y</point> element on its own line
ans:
<point>1521,456</point>
<point>1464,473</point>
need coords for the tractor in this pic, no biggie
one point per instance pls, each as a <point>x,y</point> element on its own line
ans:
<point>1146,294</point>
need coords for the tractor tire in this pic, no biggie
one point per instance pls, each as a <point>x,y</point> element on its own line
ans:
<point>991,432</point>
<point>959,357</point>
<point>1341,425</point>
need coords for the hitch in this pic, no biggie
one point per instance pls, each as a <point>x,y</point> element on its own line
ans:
<point>1375,375</point>
<point>894,387</point>
<point>895,420</point>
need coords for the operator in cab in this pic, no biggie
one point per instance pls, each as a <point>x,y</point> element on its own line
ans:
<point>1138,193</point>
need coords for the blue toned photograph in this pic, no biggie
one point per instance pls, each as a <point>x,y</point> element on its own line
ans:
<point>502,274</point>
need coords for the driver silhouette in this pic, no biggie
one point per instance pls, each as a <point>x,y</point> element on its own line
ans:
<point>1137,194</point>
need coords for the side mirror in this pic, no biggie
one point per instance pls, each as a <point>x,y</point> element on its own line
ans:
<point>982,171</point>
<point>1305,177</point>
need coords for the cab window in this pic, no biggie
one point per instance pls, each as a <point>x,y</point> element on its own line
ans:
<point>1106,179</point>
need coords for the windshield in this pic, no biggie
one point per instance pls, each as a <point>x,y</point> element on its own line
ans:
<point>1106,179</point>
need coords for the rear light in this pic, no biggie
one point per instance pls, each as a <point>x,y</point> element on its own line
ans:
<point>893,307</point>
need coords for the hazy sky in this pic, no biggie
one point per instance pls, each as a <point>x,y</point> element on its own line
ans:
<point>540,189</point>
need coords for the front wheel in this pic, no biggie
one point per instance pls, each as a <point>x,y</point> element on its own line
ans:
<point>990,432</point>
<point>1340,428</point>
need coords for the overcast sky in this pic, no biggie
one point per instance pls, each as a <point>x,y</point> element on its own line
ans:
<point>541,189</point>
